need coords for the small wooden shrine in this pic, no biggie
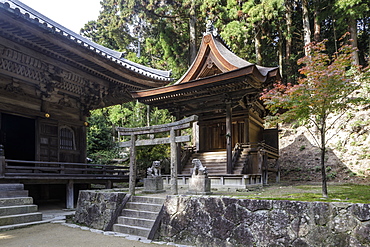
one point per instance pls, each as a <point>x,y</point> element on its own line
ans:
<point>50,78</point>
<point>223,90</point>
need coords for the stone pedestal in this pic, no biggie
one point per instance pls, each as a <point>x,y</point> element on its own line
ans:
<point>199,185</point>
<point>153,185</point>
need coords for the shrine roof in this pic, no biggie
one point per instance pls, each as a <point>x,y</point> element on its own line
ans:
<point>33,17</point>
<point>217,74</point>
<point>215,57</point>
<point>214,54</point>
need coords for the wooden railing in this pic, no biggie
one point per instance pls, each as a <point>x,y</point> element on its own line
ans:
<point>271,152</point>
<point>255,146</point>
<point>41,169</point>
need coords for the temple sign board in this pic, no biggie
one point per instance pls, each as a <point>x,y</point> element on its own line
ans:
<point>172,140</point>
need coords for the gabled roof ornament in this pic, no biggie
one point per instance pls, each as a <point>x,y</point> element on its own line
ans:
<point>210,29</point>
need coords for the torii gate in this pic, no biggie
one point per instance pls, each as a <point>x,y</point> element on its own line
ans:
<point>173,139</point>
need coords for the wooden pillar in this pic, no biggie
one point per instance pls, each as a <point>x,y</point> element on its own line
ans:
<point>132,181</point>
<point>2,161</point>
<point>229,134</point>
<point>277,171</point>
<point>265,165</point>
<point>70,194</point>
<point>174,189</point>
<point>246,127</point>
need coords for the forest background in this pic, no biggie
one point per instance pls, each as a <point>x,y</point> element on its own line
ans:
<point>166,34</point>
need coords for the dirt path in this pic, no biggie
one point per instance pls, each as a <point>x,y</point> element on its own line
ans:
<point>57,235</point>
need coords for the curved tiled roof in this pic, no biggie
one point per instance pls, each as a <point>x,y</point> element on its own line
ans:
<point>216,75</point>
<point>35,17</point>
<point>224,59</point>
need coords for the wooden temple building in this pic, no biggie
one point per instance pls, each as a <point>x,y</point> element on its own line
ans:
<point>50,78</point>
<point>223,90</point>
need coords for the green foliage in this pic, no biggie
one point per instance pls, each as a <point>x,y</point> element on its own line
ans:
<point>326,88</point>
<point>162,28</point>
<point>99,136</point>
<point>101,145</point>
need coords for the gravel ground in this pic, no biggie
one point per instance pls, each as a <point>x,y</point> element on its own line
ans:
<point>58,235</point>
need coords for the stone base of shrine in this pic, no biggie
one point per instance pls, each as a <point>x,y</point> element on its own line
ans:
<point>153,185</point>
<point>222,182</point>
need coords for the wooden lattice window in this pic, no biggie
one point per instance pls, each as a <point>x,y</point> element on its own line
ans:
<point>67,139</point>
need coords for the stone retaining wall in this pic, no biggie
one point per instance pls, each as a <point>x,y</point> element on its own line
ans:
<point>99,209</point>
<point>223,221</point>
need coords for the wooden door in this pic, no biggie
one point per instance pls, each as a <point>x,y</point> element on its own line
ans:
<point>48,141</point>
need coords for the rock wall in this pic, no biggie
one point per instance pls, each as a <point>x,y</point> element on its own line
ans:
<point>99,209</point>
<point>223,221</point>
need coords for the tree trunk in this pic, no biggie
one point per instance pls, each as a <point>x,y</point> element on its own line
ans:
<point>306,26</point>
<point>317,26</point>
<point>281,59</point>
<point>257,44</point>
<point>289,40</point>
<point>353,32</point>
<point>323,167</point>
<point>289,23</point>
<point>192,33</point>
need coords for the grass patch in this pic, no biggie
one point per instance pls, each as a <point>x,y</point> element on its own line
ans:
<point>337,193</point>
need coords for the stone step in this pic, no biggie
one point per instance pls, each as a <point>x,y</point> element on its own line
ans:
<point>140,222</point>
<point>13,193</point>
<point>16,201</point>
<point>19,209</point>
<point>20,218</point>
<point>132,230</point>
<point>9,187</point>
<point>143,206</point>
<point>147,199</point>
<point>16,226</point>
<point>139,214</point>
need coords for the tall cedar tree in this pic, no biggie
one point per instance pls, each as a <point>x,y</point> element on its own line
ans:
<point>326,89</point>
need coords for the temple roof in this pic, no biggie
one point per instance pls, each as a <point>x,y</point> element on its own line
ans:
<point>215,57</point>
<point>217,75</point>
<point>148,77</point>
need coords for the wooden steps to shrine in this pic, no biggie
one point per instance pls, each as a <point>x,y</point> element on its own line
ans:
<point>215,162</point>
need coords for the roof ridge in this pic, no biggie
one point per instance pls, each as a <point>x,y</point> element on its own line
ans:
<point>211,29</point>
<point>115,56</point>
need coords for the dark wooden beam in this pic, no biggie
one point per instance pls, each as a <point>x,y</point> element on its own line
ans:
<point>229,134</point>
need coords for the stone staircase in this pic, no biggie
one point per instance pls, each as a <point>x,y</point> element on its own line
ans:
<point>139,215</point>
<point>16,208</point>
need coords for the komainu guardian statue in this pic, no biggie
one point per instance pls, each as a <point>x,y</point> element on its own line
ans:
<point>154,182</point>
<point>198,168</point>
<point>199,183</point>
<point>154,170</point>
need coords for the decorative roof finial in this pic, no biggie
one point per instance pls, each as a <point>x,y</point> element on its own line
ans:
<point>210,29</point>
